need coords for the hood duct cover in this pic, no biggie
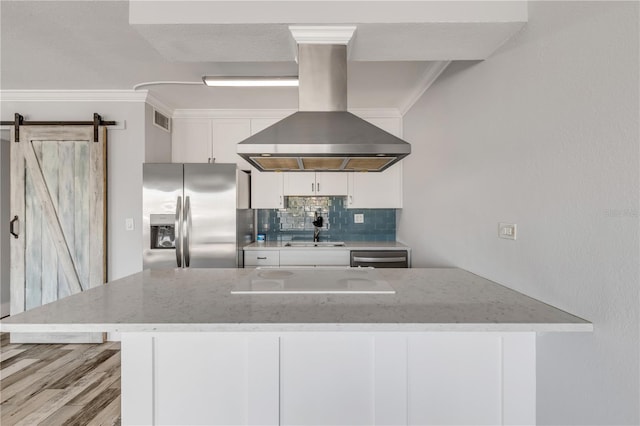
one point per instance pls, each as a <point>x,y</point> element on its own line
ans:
<point>323,136</point>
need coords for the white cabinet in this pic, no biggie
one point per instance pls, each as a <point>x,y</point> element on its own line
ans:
<point>266,190</point>
<point>381,190</point>
<point>314,257</point>
<point>202,140</point>
<point>311,378</point>
<point>191,140</point>
<point>266,187</point>
<point>315,184</point>
<point>253,258</point>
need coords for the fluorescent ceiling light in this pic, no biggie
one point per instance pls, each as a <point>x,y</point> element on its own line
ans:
<point>216,81</point>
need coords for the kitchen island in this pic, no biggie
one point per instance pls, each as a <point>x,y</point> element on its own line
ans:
<point>448,347</point>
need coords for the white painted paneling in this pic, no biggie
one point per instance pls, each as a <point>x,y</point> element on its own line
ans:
<point>455,379</point>
<point>205,379</point>
<point>137,367</point>
<point>544,133</point>
<point>327,380</point>
<point>518,379</point>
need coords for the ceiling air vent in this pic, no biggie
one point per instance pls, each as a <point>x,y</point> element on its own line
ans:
<point>161,120</point>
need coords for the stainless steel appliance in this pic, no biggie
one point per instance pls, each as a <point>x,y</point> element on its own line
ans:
<point>380,258</point>
<point>323,135</point>
<point>195,215</point>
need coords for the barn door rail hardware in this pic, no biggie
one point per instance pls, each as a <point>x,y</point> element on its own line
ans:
<point>19,121</point>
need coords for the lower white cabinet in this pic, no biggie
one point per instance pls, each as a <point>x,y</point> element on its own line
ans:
<point>314,257</point>
<point>254,258</point>
<point>329,378</point>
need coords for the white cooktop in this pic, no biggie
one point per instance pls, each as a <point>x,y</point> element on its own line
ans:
<point>313,281</point>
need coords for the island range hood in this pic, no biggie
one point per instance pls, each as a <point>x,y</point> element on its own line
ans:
<point>322,135</point>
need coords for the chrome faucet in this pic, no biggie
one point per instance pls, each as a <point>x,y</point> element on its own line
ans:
<point>316,230</point>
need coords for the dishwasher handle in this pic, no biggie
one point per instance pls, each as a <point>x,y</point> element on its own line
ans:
<point>379,259</point>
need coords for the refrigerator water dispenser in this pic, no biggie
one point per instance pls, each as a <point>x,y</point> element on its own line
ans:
<point>163,231</point>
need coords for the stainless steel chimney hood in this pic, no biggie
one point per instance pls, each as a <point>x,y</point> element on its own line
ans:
<point>323,136</point>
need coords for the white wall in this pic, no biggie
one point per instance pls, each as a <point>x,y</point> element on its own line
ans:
<point>126,153</point>
<point>157,140</point>
<point>544,134</point>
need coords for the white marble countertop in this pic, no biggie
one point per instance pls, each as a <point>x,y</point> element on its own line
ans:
<point>201,300</point>
<point>348,245</point>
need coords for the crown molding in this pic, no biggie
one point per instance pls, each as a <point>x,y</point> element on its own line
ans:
<point>72,96</point>
<point>232,113</point>
<point>432,73</point>
<point>318,34</point>
<point>159,105</point>
<point>275,113</point>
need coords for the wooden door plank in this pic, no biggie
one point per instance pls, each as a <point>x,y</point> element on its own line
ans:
<point>81,211</point>
<point>33,235</point>
<point>49,164</point>
<point>17,245</point>
<point>51,219</point>
<point>97,209</point>
<point>66,206</point>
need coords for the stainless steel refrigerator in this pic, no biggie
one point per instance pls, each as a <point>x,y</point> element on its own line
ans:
<point>195,215</point>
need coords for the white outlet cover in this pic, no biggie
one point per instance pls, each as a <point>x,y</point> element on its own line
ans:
<point>358,218</point>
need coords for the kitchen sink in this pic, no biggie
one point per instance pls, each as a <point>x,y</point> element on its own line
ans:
<point>312,244</point>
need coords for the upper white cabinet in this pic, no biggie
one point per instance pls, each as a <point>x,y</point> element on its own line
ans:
<point>266,190</point>
<point>381,190</point>
<point>202,140</point>
<point>266,187</point>
<point>191,140</point>
<point>315,184</point>
<point>375,190</point>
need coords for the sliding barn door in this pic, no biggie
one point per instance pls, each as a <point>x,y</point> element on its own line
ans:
<point>58,210</point>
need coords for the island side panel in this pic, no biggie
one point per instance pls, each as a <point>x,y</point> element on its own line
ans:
<point>519,379</point>
<point>137,390</point>
<point>424,378</point>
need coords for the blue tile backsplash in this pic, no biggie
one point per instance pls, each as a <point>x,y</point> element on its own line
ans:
<point>295,222</point>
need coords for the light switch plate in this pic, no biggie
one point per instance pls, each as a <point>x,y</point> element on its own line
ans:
<point>358,218</point>
<point>128,224</point>
<point>507,230</point>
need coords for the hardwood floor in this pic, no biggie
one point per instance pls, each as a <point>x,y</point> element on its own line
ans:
<point>76,384</point>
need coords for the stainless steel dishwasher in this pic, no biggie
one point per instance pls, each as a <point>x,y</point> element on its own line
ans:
<point>380,258</point>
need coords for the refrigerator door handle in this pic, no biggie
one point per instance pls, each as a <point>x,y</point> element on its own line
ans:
<point>178,234</point>
<point>187,229</point>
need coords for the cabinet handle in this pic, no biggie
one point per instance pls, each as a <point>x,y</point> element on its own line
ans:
<point>318,187</point>
<point>280,201</point>
<point>312,188</point>
<point>350,199</point>
<point>262,258</point>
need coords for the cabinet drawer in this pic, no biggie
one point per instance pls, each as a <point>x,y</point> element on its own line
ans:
<point>314,257</point>
<point>261,258</point>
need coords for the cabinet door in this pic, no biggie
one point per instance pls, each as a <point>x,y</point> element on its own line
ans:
<point>266,190</point>
<point>376,190</point>
<point>226,135</point>
<point>303,183</point>
<point>330,183</point>
<point>191,140</point>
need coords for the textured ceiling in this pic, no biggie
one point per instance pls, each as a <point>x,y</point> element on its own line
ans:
<point>89,45</point>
